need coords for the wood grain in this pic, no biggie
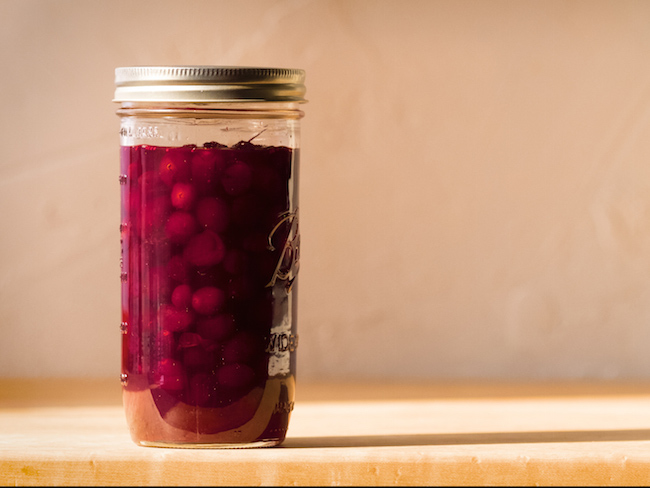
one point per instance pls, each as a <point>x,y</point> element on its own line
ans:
<point>73,432</point>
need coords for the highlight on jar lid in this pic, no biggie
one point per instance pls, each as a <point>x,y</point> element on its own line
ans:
<point>208,84</point>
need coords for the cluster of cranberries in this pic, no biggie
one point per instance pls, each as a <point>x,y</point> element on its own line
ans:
<point>202,231</point>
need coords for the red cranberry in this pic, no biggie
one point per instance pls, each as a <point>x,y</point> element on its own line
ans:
<point>217,328</point>
<point>213,214</point>
<point>189,339</point>
<point>175,319</point>
<point>133,172</point>
<point>174,167</point>
<point>182,297</point>
<point>151,184</point>
<point>208,300</point>
<point>205,249</point>
<point>207,166</point>
<point>151,156</point>
<point>183,196</point>
<point>170,375</point>
<point>237,178</point>
<point>180,227</point>
<point>235,375</point>
<point>152,216</point>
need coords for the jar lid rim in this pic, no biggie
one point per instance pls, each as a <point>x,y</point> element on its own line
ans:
<point>208,84</point>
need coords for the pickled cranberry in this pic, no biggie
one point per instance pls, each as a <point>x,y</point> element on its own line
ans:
<point>217,328</point>
<point>212,350</point>
<point>205,249</point>
<point>175,319</point>
<point>189,339</point>
<point>206,168</point>
<point>237,178</point>
<point>180,227</point>
<point>235,375</point>
<point>151,156</point>
<point>151,217</point>
<point>241,348</point>
<point>208,300</point>
<point>134,171</point>
<point>213,214</point>
<point>174,167</point>
<point>170,375</point>
<point>182,296</point>
<point>183,196</point>
<point>151,184</point>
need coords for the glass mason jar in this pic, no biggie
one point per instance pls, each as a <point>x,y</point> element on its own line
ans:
<point>210,250</point>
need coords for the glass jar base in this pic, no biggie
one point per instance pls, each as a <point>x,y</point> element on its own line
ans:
<point>194,445</point>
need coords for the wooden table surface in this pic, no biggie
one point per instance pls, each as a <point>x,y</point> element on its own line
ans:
<point>73,432</point>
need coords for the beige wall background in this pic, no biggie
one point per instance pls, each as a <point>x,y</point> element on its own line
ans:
<point>475,192</point>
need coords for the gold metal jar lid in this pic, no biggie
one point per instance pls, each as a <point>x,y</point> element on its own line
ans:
<point>197,84</point>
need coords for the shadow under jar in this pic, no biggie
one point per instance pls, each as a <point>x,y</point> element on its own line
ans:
<point>210,251</point>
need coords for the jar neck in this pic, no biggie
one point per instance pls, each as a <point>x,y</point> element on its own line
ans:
<point>179,124</point>
<point>230,110</point>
